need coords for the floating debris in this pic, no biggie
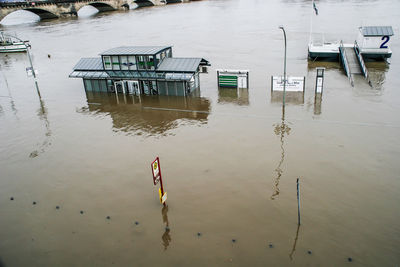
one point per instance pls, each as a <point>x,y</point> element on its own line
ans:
<point>349,259</point>
<point>137,223</point>
<point>81,211</point>
<point>167,228</point>
<point>198,234</point>
<point>11,198</point>
<point>57,207</point>
<point>108,217</point>
<point>271,245</point>
<point>34,203</point>
<point>233,240</point>
<point>309,252</point>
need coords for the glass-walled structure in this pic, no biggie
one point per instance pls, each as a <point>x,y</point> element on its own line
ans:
<point>140,70</point>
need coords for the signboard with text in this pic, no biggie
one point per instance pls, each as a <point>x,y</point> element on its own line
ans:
<point>155,167</point>
<point>293,84</point>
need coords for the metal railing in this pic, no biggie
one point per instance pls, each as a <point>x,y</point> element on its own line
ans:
<point>361,60</point>
<point>345,62</point>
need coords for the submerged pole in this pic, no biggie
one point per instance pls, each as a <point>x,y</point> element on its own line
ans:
<point>30,62</point>
<point>298,201</point>
<point>284,69</point>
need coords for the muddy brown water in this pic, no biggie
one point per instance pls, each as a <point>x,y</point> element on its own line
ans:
<point>229,161</point>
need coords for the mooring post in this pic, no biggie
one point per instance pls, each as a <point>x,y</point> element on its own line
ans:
<point>298,201</point>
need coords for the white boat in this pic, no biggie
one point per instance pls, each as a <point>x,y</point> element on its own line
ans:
<point>10,44</point>
<point>322,49</point>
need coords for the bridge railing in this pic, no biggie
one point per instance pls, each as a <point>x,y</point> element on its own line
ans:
<point>43,2</point>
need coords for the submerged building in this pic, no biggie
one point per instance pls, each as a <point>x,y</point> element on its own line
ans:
<point>148,70</point>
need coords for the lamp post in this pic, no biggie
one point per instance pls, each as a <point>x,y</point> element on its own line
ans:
<point>284,69</point>
<point>30,62</point>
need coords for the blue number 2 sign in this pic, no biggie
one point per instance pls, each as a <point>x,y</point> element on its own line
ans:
<point>385,39</point>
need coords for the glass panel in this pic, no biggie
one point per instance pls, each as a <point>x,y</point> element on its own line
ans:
<point>96,86</point>
<point>103,86</point>
<point>88,85</point>
<point>124,62</point>
<point>154,87</point>
<point>150,63</point>
<point>146,88</point>
<point>132,63</point>
<point>110,86</point>
<point>162,88</point>
<point>171,88</point>
<point>107,63</point>
<point>180,90</point>
<point>115,63</point>
<point>141,62</point>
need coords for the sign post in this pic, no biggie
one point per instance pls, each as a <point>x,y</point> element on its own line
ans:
<point>156,170</point>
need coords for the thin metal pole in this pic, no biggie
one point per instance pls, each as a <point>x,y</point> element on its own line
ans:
<point>33,70</point>
<point>298,201</point>
<point>30,62</point>
<point>284,69</point>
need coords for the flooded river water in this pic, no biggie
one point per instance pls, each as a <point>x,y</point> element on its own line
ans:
<point>229,160</point>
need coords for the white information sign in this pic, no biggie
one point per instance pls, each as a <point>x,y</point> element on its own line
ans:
<point>293,84</point>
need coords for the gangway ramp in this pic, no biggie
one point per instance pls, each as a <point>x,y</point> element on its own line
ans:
<point>352,61</point>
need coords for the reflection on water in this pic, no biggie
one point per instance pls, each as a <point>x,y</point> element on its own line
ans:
<point>328,65</point>
<point>280,130</point>
<point>377,74</point>
<point>166,237</point>
<point>239,96</point>
<point>296,98</point>
<point>294,243</point>
<point>12,103</point>
<point>317,103</point>
<point>42,114</point>
<point>147,115</point>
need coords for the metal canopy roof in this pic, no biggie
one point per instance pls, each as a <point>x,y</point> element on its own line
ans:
<point>89,64</point>
<point>180,64</point>
<point>134,50</point>
<point>143,75</point>
<point>377,31</point>
<point>89,74</point>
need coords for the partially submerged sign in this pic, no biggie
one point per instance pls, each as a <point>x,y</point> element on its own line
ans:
<point>156,170</point>
<point>293,84</point>
<point>233,78</point>
<point>155,167</point>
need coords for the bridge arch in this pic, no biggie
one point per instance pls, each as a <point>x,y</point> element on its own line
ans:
<point>102,7</point>
<point>143,3</point>
<point>42,13</point>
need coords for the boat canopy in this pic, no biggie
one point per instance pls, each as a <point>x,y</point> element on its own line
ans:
<point>377,31</point>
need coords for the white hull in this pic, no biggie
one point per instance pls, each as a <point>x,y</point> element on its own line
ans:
<point>16,47</point>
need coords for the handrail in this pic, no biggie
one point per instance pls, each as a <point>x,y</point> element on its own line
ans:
<point>361,60</point>
<point>345,62</point>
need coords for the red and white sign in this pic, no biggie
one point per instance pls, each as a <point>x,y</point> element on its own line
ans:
<point>155,168</point>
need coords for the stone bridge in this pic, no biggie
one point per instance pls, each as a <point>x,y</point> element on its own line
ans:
<point>55,9</point>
